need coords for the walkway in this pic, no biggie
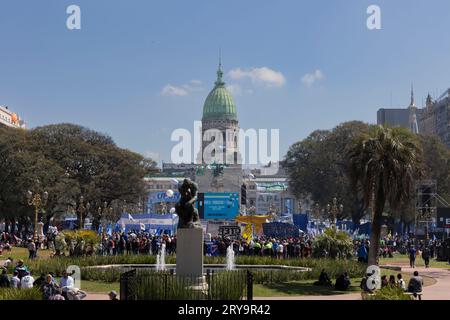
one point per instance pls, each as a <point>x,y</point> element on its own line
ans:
<point>438,291</point>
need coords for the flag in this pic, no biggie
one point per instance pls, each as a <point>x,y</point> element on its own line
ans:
<point>248,232</point>
<point>130,217</point>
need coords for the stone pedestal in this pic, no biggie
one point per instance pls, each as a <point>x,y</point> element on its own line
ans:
<point>190,252</point>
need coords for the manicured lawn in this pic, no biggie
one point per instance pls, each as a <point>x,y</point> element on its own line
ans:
<point>307,288</point>
<point>300,288</point>
<point>404,260</point>
<point>99,287</point>
<point>18,253</point>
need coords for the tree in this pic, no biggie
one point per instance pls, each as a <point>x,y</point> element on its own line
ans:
<point>386,163</point>
<point>317,167</point>
<point>436,157</point>
<point>70,161</point>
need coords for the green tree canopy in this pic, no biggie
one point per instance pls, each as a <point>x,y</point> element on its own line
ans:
<point>70,161</point>
<point>385,162</point>
<point>317,167</point>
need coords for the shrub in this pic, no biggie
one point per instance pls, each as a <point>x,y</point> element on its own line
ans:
<point>82,242</point>
<point>226,285</point>
<point>333,244</point>
<point>388,293</point>
<point>333,267</point>
<point>20,294</point>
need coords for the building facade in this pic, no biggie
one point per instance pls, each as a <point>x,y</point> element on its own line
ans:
<point>10,119</point>
<point>263,188</point>
<point>219,121</point>
<point>433,119</point>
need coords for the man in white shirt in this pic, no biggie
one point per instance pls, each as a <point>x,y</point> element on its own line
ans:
<point>27,281</point>
<point>15,281</point>
<point>8,262</point>
<point>67,283</point>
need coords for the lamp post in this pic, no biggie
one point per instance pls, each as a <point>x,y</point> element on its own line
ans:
<point>82,209</point>
<point>38,202</point>
<point>318,213</point>
<point>426,215</point>
<point>333,210</point>
<point>102,214</point>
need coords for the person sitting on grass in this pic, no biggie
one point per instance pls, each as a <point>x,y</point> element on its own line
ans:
<point>113,295</point>
<point>21,268</point>
<point>365,283</point>
<point>324,280</point>
<point>50,290</point>
<point>415,284</point>
<point>342,282</point>
<point>15,281</point>
<point>392,282</point>
<point>384,282</point>
<point>27,281</point>
<point>4,280</point>
<point>8,262</point>
<point>400,282</point>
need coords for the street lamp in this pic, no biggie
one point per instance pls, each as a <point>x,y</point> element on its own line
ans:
<point>333,210</point>
<point>103,214</point>
<point>38,202</point>
<point>426,215</point>
<point>318,213</point>
<point>82,209</point>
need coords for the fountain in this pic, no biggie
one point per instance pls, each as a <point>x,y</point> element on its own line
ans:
<point>161,258</point>
<point>230,258</point>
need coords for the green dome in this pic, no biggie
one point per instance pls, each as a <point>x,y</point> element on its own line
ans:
<point>219,104</point>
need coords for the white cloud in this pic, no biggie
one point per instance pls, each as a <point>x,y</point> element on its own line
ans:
<point>264,75</point>
<point>310,78</point>
<point>234,89</point>
<point>170,90</point>
<point>182,90</point>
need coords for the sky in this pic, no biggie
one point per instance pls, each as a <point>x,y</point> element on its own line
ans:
<point>139,69</point>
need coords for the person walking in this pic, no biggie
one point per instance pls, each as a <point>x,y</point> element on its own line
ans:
<point>412,256</point>
<point>426,256</point>
<point>31,249</point>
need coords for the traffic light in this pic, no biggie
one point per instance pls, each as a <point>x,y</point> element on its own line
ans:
<point>244,194</point>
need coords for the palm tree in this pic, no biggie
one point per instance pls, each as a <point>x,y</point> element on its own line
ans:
<point>385,162</point>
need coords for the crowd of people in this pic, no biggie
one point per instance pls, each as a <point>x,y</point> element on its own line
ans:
<point>22,279</point>
<point>414,286</point>
<point>141,242</point>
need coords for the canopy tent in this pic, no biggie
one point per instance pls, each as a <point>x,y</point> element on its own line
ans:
<point>160,223</point>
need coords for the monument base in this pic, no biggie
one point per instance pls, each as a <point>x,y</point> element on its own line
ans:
<point>190,252</point>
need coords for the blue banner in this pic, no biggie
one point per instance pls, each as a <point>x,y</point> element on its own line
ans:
<point>220,205</point>
<point>157,197</point>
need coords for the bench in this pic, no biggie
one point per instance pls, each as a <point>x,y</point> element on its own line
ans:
<point>417,295</point>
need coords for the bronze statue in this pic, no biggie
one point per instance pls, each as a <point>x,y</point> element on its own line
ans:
<point>185,208</point>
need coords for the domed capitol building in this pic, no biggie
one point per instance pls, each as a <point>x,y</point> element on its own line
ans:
<point>227,175</point>
<point>219,113</point>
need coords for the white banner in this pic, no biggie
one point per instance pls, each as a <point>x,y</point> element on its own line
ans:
<point>264,200</point>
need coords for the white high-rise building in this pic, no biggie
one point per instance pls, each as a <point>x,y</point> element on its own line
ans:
<point>10,119</point>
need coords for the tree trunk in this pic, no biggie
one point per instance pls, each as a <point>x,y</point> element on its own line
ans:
<point>7,224</point>
<point>376,227</point>
<point>47,222</point>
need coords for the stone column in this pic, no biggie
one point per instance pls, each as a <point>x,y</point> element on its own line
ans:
<point>190,252</point>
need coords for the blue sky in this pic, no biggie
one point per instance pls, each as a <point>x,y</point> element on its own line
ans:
<point>110,75</point>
